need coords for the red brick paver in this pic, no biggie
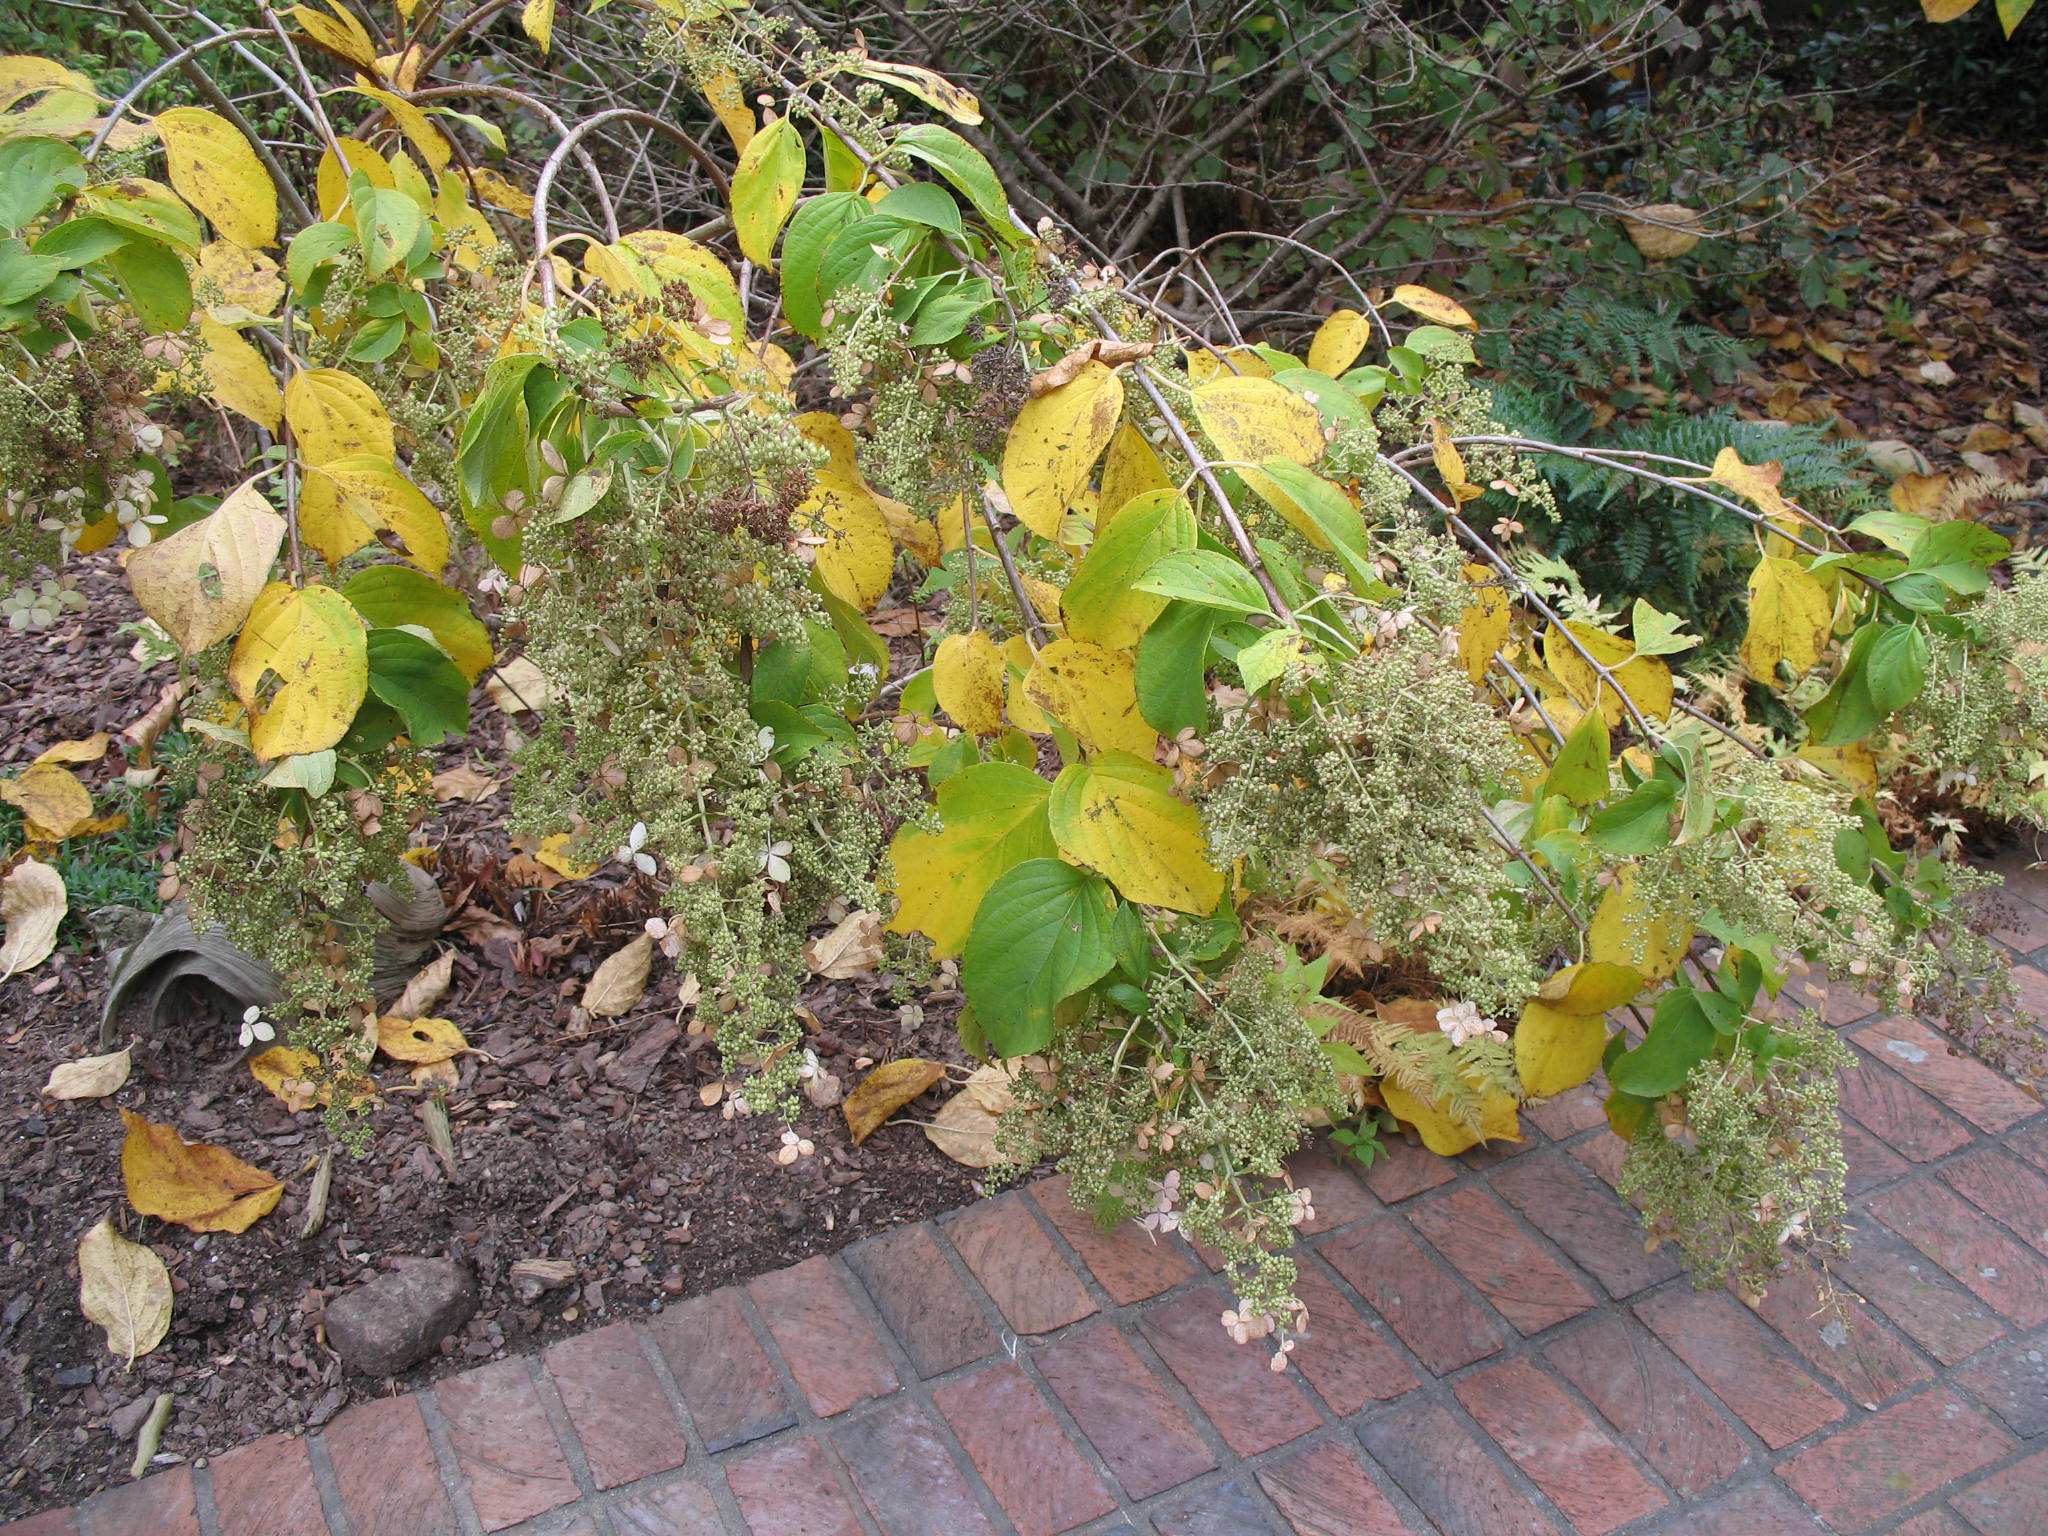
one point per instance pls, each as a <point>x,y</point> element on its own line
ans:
<point>1490,1352</point>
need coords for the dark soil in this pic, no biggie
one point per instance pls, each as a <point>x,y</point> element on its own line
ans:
<point>650,1193</point>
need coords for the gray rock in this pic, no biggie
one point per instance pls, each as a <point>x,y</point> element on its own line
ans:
<point>384,1325</point>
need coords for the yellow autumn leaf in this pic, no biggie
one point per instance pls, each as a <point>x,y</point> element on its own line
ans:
<point>1432,305</point>
<point>1446,1135</point>
<point>205,1188</point>
<point>554,854</point>
<point>537,20</point>
<point>1119,816</point>
<point>1852,765</point>
<point>856,556</point>
<point>967,678</point>
<point>728,99</point>
<point>311,642</point>
<point>1645,679</point>
<point>363,499</point>
<point>419,1040</point>
<point>33,903</point>
<point>200,582</point>
<point>1093,692</point>
<point>290,1076</point>
<point>124,1289</point>
<point>1129,470</point>
<point>335,415</point>
<point>765,187</point>
<point>415,125</point>
<point>1485,623</point>
<point>674,258</point>
<point>238,377</point>
<point>1594,987</point>
<point>1252,419</point>
<point>235,283</point>
<point>1338,341</point>
<point>1054,443</point>
<point>1790,614</point>
<point>994,819</point>
<point>501,193</point>
<point>1450,465</point>
<point>51,800</point>
<point>1556,1051</point>
<point>215,170</point>
<point>1626,930</point>
<point>340,34</point>
<point>1756,483</point>
<point>1231,363</point>
<point>330,177</point>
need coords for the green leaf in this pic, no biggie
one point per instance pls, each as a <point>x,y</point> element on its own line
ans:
<point>1100,604</point>
<point>34,172</point>
<point>391,596</point>
<point>1206,577</point>
<point>811,231</point>
<point>1043,932</point>
<point>1847,713</point>
<point>1637,824</point>
<point>1267,657</point>
<point>1658,633</point>
<point>388,223</point>
<point>1897,669</point>
<point>923,202</point>
<point>23,275</point>
<point>313,245</point>
<point>963,165</point>
<point>1579,772</point>
<point>1172,676</point>
<point>79,242</point>
<point>1682,1035</point>
<point>155,282</point>
<point>1895,530</point>
<point>1958,554</point>
<point>765,186</point>
<point>995,819</point>
<point>414,678</point>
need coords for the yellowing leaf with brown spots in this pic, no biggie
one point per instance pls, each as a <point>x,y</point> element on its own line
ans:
<point>1627,930</point>
<point>414,124</point>
<point>856,556</point>
<point>1232,362</point>
<point>1432,305</point>
<point>1756,483</point>
<point>1645,679</point>
<point>419,1040</point>
<point>885,1090</point>
<point>1790,614</point>
<point>1556,1051</point>
<point>728,99</point>
<point>1338,341</point>
<point>1120,817</point>
<point>197,1186</point>
<point>994,815</point>
<point>1251,420</point>
<point>1450,465</point>
<point>1594,987</point>
<point>1051,451</point>
<point>215,170</point>
<point>311,641</point>
<point>1484,625</point>
<point>1852,765</point>
<point>1093,692</point>
<point>967,678</point>
<point>1129,470</point>
<point>335,415</point>
<point>236,283</point>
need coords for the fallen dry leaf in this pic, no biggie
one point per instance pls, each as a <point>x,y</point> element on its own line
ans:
<point>965,1132</point>
<point>426,988</point>
<point>288,1074</point>
<point>852,948</point>
<point>554,853</point>
<point>90,750</point>
<point>885,1090</point>
<point>436,1074</point>
<point>51,800</point>
<point>1658,240</point>
<point>824,1089</point>
<point>994,1085</point>
<point>90,1077</point>
<point>1937,372</point>
<point>617,984</point>
<point>419,1040</point>
<point>464,783</point>
<point>124,1288</point>
<point>480,927</point>
<point>517,686</point>
<point>197,1186</point>
<point>32,903</point>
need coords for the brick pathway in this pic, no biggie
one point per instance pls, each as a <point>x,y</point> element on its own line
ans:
<point>1493,1355</point>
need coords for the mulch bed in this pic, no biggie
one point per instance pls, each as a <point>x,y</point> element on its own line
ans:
<point>568,1148</point>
